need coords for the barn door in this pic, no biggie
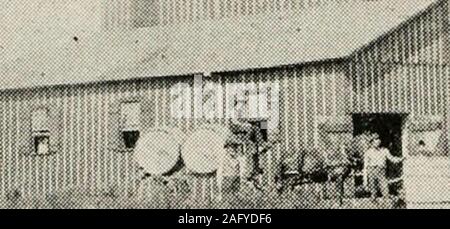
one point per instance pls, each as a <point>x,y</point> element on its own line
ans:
<point>389,126</point>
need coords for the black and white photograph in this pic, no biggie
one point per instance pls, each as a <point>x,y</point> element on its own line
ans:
<point>224,104</point>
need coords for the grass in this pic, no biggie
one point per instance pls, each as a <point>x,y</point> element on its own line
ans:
<point>161,198</point>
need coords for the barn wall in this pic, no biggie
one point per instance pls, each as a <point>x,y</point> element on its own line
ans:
<point>421,39</point>
<point>309,94</point>
<point>146,13</point>
<point>85,156</point>
<point>406,71</point>
<point>415,89</point>
<point>172,11</point>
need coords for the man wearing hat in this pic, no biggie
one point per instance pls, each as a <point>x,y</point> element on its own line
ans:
<point>375,160</point>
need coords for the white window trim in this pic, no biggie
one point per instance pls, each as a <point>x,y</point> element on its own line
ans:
<point>123,122</point>
<point>33,124</point>
<point>40,132</point>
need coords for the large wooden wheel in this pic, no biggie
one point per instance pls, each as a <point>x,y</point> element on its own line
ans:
<point>204,148</point>
<point>158,151</point>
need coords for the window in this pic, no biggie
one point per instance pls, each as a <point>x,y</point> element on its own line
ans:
<point>130,116</point>
<point>41,131</point>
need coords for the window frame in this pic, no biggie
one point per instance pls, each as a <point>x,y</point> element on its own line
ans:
<point>124,130</point>
<point>37,109</point>
<point>40,133</point>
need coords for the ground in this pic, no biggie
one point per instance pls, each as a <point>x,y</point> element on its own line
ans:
<point>427,187</point>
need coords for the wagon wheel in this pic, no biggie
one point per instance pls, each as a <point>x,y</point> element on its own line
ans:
<point>203,149</point>
<point>158,151</point>
<point>157,154</point>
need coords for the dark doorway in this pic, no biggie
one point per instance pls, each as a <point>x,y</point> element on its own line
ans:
<point>389,126</point>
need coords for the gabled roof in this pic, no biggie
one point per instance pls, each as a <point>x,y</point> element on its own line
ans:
<point>285,38</point>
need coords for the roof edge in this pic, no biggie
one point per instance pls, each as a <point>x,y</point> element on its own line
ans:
<point>143,78</point>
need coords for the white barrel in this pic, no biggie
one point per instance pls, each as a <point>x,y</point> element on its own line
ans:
<point>158,151</point>
<point>204,148</point>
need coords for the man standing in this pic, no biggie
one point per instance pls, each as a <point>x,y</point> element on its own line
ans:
<point>375,160</point>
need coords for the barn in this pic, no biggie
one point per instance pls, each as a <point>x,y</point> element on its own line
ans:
<point>333,71</point>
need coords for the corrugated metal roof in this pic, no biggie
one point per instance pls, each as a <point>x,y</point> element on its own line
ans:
<point>315,34</point>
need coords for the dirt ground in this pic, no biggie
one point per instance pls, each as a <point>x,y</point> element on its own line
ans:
<point>427,188</point>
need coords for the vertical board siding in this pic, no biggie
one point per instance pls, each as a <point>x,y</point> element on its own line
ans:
<point>403,88</point>
<point>2,147</point>
<point>145,13</point>
<point>86,162</point>
<point>307,93</point>
<point>419,40</point>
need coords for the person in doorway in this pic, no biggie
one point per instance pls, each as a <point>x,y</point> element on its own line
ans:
<point>375,160</point>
